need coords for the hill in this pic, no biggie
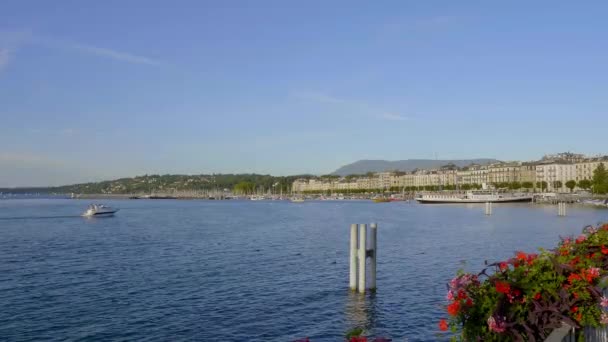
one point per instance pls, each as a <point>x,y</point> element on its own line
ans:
<point>363,166</point>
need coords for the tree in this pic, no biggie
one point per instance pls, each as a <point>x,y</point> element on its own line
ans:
<point>557,184</point>
<point>244,187</point>
<point>542,185</point>
<point>515,185</point>
<point>600,179</point>
<point>571,184</point>
<point>584,184</point>
<point>527,185</point>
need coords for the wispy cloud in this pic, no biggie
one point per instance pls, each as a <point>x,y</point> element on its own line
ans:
<point>11,41</point>
<point>96,51</point>
<point>113,54</point>
<point>394,117</point>
<point>4,57</point>
<point>68,132</point>
<point>318,97</point>
<point>354,106</point>
<point>11,158</point>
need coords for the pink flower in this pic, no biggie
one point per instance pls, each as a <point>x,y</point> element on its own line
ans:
<point>581,238</point>
<point>450,295</point>
<point>604,318</point>
<point>604,302</point>
<point>594,272</point>
<point>495,325</point>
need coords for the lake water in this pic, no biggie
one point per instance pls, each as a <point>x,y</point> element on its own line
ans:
<point>246,271</point>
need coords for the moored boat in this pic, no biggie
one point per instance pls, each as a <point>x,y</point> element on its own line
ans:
<point>478,196</point>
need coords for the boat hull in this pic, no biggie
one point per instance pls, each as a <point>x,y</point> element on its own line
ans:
<point>102,214</point>
<point>467,200</point>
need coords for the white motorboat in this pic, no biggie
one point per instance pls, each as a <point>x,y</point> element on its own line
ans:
<point>99,210</point>
<point>479,196</point>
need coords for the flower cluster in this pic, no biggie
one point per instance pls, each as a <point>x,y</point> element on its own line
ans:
<point>529,295</point>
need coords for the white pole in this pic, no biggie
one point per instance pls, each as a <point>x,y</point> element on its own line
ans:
<point>564,208</point>
<point>374,247</point>
<point>362,252</point>
<point>353,257</point>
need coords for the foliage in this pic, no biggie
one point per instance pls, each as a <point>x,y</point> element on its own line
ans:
<point>600,179</point>
<point>584,184</point>
<point>244,188</point>
<point>571,184</point>
<point>542,185</point>
<point>557,184</point>
<point>529,295</point>
<point>527,185</point>
<point>515,185</point>
<point>168,183</point>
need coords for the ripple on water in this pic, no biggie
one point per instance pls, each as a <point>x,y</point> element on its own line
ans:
<point>245,271</point>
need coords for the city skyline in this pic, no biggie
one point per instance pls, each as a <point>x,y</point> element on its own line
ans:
<point>101,91</point>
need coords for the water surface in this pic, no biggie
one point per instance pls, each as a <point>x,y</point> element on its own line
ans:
<point>245,271</point>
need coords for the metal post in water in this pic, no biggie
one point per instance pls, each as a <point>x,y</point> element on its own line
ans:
<point>353,257</point>
<point>374,250</point>
<point>488,208</point>
<point>362,254</point>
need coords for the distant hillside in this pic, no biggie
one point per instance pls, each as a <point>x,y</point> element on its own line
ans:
<point>364,166</point>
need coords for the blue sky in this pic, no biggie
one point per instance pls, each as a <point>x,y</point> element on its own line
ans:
<point>106,89</point>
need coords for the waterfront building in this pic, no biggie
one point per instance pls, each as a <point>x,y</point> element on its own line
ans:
<point>550,171</point>
<point>561,167</point>
<point>504,173</point>
<point>527,173</point>
<point>584,169</point>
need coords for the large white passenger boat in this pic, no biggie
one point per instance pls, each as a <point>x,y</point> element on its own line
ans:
<point>475,196</point>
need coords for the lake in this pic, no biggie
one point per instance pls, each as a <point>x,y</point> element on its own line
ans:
<point>246,270</point>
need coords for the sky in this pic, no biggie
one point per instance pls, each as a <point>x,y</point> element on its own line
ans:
<point>93,90</point>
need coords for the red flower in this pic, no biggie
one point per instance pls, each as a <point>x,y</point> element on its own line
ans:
<point>581,238</point>
<point>469,302</point>
<point>358,339</point>
<point>575,295</point>
<point>531,258</point>
<point>579,316</point>
<point>462,294</point>
<point>503,266</point>
<point>574,309</point>
<point>574,261</point>
<point>564,252</point>
<point>537,296</point>
<point>503,287</point>
<point>604,249</point>
<point>573,277</point>
<point>454,308</point>
<point>521,256</point>
<point>516,292</point>
<point>443,325</point>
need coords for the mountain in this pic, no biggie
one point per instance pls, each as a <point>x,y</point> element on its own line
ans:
<point>363,166</point>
